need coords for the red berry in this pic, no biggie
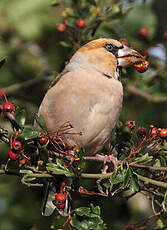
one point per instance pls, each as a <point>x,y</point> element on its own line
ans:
<point>13,156</point>
<point>60,200</point>
<point>153,132</point>
<point>81,23</point>
<point>162,133</point>
<point>131,124</point>
<point>63,187</point>
<point>165,35</point>
<point>141,132</point>
<point>8,107</point>
<point>16,145</point>
<point>43,139</point>
<point>142,66</point>
<point>61,27</point>
<point>22,161</point>
<point>64,163</point>
<point>143,31</point>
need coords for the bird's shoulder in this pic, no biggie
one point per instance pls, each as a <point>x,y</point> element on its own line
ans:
<point>54,82</point>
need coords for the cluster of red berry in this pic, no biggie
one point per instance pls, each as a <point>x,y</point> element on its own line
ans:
<point>7,107</point>
<point>16,146</point>
<point>61,197</point>
<point>158,132</point>
<point>43,139</point>
<point>153,132</point>
<point>14,151</point>
<point>80,23</point>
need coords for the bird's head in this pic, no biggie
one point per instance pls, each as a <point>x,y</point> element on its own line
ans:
<point>106,56</point>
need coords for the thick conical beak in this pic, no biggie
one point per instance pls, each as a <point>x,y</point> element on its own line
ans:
<point>127,57</point>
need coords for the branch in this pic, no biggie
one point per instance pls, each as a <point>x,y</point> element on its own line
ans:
<point>10,173</point>
<point>133,90</point>
<point>98,176</point>
<point>86,158</point>
<point>26,84</point>
<point>83,175</point>
<point>151,181</point>
<point>151,168</point>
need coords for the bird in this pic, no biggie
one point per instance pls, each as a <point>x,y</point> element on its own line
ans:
<point>88,94</point>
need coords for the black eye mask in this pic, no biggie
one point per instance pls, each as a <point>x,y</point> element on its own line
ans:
<point>112,48</point>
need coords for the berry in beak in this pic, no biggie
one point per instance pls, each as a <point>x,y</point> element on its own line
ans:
<point>127,57</point>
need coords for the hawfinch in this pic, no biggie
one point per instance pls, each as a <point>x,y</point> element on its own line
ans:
<point>88,94</point>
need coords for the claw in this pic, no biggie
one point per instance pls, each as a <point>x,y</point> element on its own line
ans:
<point>109,159</point>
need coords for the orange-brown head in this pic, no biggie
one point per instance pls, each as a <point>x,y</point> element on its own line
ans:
<point>105,55</point>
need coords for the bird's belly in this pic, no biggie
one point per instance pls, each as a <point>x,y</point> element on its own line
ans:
<point>92,109</point>
<point>100,126</point>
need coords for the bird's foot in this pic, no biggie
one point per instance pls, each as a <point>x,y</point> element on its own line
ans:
<point>108,159</point>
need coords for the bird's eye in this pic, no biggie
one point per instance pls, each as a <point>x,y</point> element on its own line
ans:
<point>109,47</point>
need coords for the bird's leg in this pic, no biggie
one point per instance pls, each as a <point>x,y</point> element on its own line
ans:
<point>105,168</point>
<point>109,159</point>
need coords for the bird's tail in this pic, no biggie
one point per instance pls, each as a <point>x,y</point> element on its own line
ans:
<point>56,197</point>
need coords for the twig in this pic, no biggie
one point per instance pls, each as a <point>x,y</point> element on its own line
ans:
<point>30,184</point>
<point>26,84</point>
<point>133,90</point>
<point>86,176</point>
<point>137,149</point>
<point>151,168</point>
<point>86,158</point>
<point>10,173</point>
<point>98,23</point>
<point>98,176</point>
<point>151,181</point>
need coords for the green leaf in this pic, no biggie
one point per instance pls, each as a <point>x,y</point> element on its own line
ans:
<point>145,159</point>
<point>57,168</point>
<point>79,225</point>
<point>165,199</point>
<point>43,154</point>
<point>29,132</point>
<point>40,121</point>
<point>95,222</point>
<point>118,177</point>
<point>133,183</point>
<point>90,218</point>
<point>157,163</point>
<point>95,210</point>
<point>107,186</point>
<point>25,171</point>
<point>20,116</point>
<point>64,44</point>
<point>134,187</point>
<point>81,211</point>
<point>127,177</point>
<point>2,62</point>
<point>28,179</point>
